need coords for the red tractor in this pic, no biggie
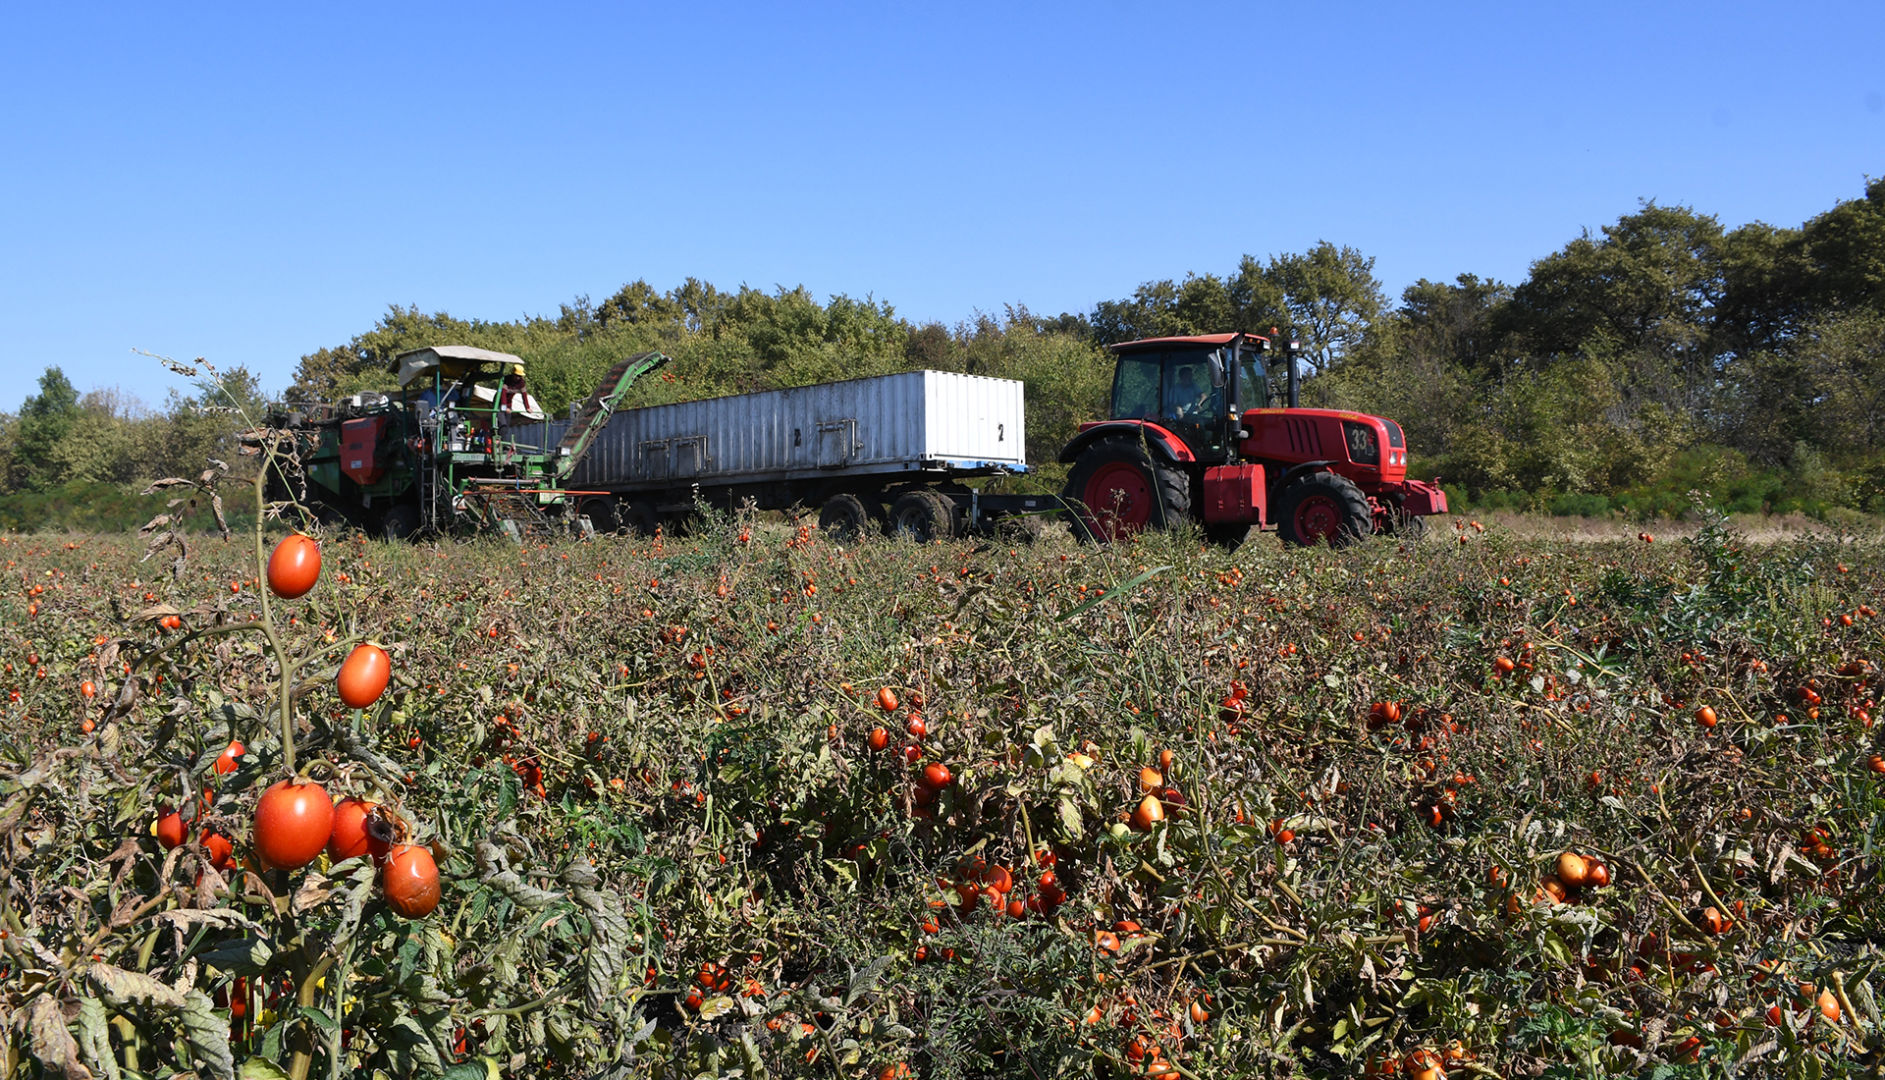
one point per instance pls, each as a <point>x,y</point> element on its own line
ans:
<point>1199,434</point>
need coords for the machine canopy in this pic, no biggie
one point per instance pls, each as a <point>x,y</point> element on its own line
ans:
<point>454,362</point>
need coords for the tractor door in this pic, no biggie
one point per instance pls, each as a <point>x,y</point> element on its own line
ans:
<point>1194,403</point>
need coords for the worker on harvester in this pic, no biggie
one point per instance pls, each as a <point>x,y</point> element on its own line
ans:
<point>516,405</point>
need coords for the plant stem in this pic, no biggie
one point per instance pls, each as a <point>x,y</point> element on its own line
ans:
<point>282,659</point>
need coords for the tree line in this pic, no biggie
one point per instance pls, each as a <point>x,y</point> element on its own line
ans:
<point>1655,355</point>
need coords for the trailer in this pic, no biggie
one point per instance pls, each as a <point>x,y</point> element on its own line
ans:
<point>886,453</point>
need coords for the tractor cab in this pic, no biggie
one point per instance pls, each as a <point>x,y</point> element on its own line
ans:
<point>1198,387</point>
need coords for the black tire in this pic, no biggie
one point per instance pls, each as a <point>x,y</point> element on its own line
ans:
<point>1323,507</point>
<point>922,515</point>
<point>1402,525</point>
<point>602,514</point>
<point>640,518</point>
<point>848,517</point>
<point>401,520</point>
<point>1116,488</point>
<point>1229,535</point>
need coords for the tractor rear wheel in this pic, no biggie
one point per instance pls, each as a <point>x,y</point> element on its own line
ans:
<point>1116,489</point>
<point>922,515</point>
<point>847,517</point>
<point>1321,507</point>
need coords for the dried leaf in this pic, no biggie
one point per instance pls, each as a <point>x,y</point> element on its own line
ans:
<point>50,1041</point>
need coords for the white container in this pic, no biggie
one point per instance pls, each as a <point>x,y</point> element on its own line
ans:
<point>915,422</point>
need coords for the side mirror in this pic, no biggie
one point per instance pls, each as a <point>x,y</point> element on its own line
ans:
<point>1217,371</point>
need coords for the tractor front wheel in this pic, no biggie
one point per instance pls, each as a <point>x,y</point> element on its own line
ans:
<point>1117,489</point>
<point>1321,507</point>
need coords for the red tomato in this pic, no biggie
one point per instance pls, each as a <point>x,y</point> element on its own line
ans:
<point>350,838</point>
<point>363,675</point>
<point>222,853</point>
<point>887,699</point>
<point>294,566</point>
<point>293,822</point>
<point>170,831</point>
<point>936,776</point>
<point>230,759</point>
<point>410,880</point>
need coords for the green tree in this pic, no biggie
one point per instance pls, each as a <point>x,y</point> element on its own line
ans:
<point>46,418</point>
<point>1331,297</point>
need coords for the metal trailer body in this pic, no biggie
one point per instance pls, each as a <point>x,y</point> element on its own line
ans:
<point>872,439</point>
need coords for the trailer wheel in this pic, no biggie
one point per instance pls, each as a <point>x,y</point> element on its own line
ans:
<point>1321,507</point>
<point>641,518</point>
<point>847,516</point>
<point>1117,489</point>
<point>400,521</point>
<point>602,515</point>
<point>922,515</point>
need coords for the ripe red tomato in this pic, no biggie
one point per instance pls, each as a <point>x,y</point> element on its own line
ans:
<point>88,689</point>
<point>879,738</point>
<point>293,822</point>
<point>230,759</point>
<point>350,838</point>
<point>410,880</point>
<point>169,828</point>
<point>363,675</point>
<point>887,699</point>
<point>936,776</point>
<point>294,566</point>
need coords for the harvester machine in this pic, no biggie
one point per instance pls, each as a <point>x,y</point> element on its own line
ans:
<point>443,453</point>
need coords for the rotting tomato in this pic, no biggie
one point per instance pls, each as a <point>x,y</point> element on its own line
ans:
<point>294,566</point>
<point>410,880</point>
<point>293,822</point>
<point>363,675</point>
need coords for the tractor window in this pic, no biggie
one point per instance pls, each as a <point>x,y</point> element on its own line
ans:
<point>1253,387</point>
<point>1189,394</point>
<point>1135,386</point>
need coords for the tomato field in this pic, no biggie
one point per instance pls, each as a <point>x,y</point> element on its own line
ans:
<point>749,802</point>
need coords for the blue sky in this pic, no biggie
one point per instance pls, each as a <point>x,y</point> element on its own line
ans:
<point>250,183</point>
